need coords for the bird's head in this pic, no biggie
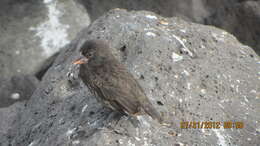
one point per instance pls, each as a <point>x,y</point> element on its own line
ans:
<point>93,53</point>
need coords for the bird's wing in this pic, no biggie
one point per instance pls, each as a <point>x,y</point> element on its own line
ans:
<point>130,106</point>
<point>122,89</point>
<point>133,88</point>
<point>119,88</point>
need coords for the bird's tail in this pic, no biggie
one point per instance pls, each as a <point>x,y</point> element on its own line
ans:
<point>150,110</point>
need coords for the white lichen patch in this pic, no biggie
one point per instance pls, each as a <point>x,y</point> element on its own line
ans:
<point>218,38</point>
<point>186,72</point>
<point>84,108</point>
<point>172,94</point>
<point>220,136</point>
<point>221,106</point>
<point>224,76</point>
<point>70,131</point>
<point>120,141</point>
<point>183,45</point>
<point>32,144</point>
<point>150,34</point>
<point>224,100</point>
<point>15,96</point>
<point>17,52</point>
<point>176,57</point>
<point>253,91</point>
<point>47,1</point>
<point>203,91</point>
<point>143,121</point>
<point>203,130</point>
<point>188,86</point>
<point>237,89</point>
<point>246,99</point>
<point>258,130</point>
<point>224,33</point>
<point>183,30</point>
<point>151,16</point>
<point>149,29</point>
<point>53,34</point>
<point>137,138</point>
<point>146,143</point>
<point>180,144</point>
<point>243,103</point>
<point>164,22</point>
<point>129,142</point>
<point>202,46</point>
<point>75,142</point>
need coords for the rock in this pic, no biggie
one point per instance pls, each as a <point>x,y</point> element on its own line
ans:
<point>189,10</point>
<point>8,115</point>
<point>190,72</point>
<point>43,68</point>
<point>32,31</point>
<point>18,88</point>
<point>239,17</point>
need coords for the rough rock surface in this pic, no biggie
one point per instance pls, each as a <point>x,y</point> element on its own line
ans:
<point>9,115</point>
<point>239,17</point>
<point>31,31</point>
<point>18,88</point>
<point>189,71</point>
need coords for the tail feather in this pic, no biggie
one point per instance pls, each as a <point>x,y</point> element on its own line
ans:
<point>150,110</point>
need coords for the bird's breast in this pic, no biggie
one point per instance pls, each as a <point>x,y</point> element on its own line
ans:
<point>95,76</point>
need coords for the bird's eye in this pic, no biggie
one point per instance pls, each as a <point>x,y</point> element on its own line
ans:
<point>90,54</point>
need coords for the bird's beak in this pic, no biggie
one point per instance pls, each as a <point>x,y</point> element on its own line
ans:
<point>81,60</point>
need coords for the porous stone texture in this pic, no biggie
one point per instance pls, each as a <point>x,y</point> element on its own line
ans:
<point>31,31</point>
<point>239,17</point>
<point>18,88</point>
<point>8,115</point>
<point>190,72</point>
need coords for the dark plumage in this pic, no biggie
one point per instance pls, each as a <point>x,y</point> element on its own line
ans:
<point>111,81</point>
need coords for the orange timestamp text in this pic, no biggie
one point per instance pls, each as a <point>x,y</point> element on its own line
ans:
<point>211,125</point>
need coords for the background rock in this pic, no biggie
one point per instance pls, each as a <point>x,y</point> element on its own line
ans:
<point>239,17</point>
<point>31,31</point>
<point>189,71</point>
<point>18,88</point>
<point>8,116</point>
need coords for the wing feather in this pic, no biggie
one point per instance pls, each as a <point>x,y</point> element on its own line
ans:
<point>117,87</point>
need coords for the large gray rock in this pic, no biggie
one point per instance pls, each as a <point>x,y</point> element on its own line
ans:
<point>32,31</point>
<point>189,10</point>
<point>239,17</point>
<point>190,72</point>
<point>9,115</point>
<point>18,88</point>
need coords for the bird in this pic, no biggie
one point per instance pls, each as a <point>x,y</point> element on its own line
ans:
<point>111,82</point>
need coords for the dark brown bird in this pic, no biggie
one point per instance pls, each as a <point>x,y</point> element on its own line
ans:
<point>111,81</point>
